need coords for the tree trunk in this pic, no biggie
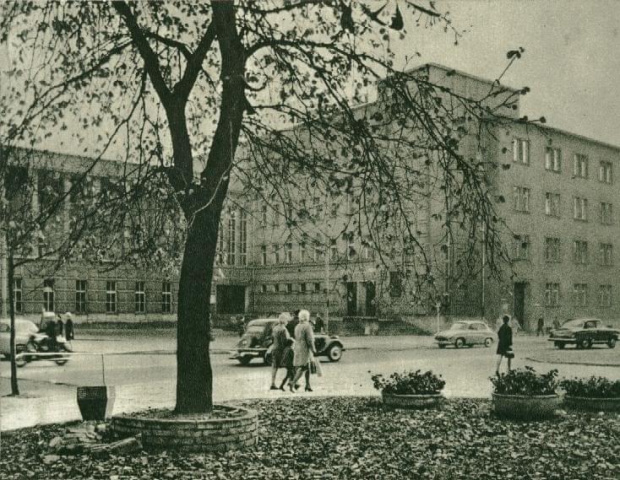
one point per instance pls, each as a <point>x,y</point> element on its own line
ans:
<point>194,374</point>
<point>13,349</point>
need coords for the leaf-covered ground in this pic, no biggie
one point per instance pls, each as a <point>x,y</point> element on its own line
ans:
<point>350,438</point>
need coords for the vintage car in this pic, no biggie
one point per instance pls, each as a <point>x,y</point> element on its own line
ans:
<point>466,332</point>
<point>24,329</point>
<point>256,343</point>
<point>584,332</point>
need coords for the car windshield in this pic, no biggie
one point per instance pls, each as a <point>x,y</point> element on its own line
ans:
<point>572,323</point>
<point>459,326</point>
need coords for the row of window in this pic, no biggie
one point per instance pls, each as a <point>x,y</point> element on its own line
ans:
<point>580,295</point>
<point>291,288</point>
<point>81,296</point>
<point>553,251</point>
<point>521,203</point>
<point>288,253</point>
<point>554,160</point>
<point>232,245</point>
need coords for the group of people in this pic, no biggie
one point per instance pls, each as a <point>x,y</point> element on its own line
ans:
<point>57,328</point>
<point>294,348</point>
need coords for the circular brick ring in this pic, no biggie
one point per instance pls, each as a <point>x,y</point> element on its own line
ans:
<point>193,433</point>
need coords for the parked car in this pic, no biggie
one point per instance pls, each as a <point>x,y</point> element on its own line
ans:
<point>466,332</point>
<point>583,333</point>
<point>257,340</point>
<point>24,329</point>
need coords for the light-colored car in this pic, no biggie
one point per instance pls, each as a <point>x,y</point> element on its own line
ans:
<point>583,333</point>
<point>466,332</point>
<point>24,329</point>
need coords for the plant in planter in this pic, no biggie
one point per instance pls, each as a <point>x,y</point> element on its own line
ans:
<point>594,393</point>
<point>410,389</point>
<point>525,394</point>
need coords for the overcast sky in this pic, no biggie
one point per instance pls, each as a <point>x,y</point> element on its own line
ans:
<point>571,61</point>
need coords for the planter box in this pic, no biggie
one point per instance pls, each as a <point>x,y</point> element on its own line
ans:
<point>412,401</point>
<point>593,404</point>
<point>525,407</point>
<point>96,403</point>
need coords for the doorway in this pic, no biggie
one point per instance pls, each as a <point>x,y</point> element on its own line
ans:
<point>351,299</point>
<point>370,304</point>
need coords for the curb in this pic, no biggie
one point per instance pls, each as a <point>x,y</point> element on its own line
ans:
<point>587,364</point>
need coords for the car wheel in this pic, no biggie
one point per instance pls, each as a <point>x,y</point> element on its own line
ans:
<point>21,360</point>
<point>245,360</point>
<point>585,343</point>
<point>459,343</point>
<point>488,342</point>
<point>611,343</point>
<point>559,345</point>
<point>62,361</point>
<point>334,353</point>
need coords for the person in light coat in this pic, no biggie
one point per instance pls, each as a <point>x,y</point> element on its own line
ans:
<point>304,349</point>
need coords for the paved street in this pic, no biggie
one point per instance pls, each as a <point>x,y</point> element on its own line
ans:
<point>142,368</point>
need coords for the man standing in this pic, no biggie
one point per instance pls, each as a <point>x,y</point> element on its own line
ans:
<point>504,344</point>
<point>541,327</point>
<point>319,325</point>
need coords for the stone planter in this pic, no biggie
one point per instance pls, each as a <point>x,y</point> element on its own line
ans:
<point>593,404</point>
<point>194,433</point>
<point>412,401</point>
<point>96,403</point>
<point>525,407</point>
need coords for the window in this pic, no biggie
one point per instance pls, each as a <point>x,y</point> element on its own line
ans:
<point>166,297</point>
<point>351,246</point>
<point>580,209</point>
<point>263,254</point>
<point>521,249</point>
<point>276,254</point>
<point>18,295</point>
<point>263,215</point>
<point>553,253</point>
<point>604,295</point>
<point>317,287</point>
<point>232,245</point>
<point>396,284</point>
<point>318,250</point>
<point>553,159</point>
<point>243,238</point>
<point>263,288</point>
<point>80,296</point>
<point>333,250</point>
<point>48,294</point>
<point>521,151</point>
<point>110,296</point>
<point>368,252</point>
<point>220,245</point>
<point>276,288</point>
<point>50,189</point>
<point>552,204</point>
<point>302,252</point>
<point>552,294</point>
<point>302,287</point>
<point>605,172</point>
<point>289,253</point>
<point>606,214</point>
<point>580,252</point>
<point>580,294</point>
<point>606,254</point>
<point>140,298</point>
<point>580,166</point>
<point>521,199</point>
<point>289,288</point>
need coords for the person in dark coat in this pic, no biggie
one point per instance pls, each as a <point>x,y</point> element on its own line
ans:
<point>319,325</point>
<point>540,330</point>
<point>60,327</point>
<point>288,357</point>
<point>50,331</point>
<point>279,337</point>
<point>504,344</point>
<point>69,331</point>
<point>290,326</point>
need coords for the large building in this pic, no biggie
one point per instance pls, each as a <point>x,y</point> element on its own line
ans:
<point>553,189</point>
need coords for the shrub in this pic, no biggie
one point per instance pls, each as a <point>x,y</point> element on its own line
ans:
<point>526,382</point>
<point>409,383</point>
<point>593,387</point>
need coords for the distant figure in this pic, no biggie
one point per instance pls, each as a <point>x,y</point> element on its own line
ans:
<point>50,331</point>
<point>293,323</point>
<point>279,336</point>
<point>240,325</point>
<point>69,331</point>
<point>60,327</point>
<point>504,344</point>
<point>288,357</point>
<point>515,325</point>
<point>556,323</point>
<point>540,330</point>
<point>319,325</point>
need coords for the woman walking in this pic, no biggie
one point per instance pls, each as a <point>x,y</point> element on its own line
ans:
<point>304,349</point>
<point>504,344</point>
<point>280,336</point>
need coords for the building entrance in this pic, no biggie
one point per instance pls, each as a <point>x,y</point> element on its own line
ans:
<point>351,299</point>
<point>370,304</point>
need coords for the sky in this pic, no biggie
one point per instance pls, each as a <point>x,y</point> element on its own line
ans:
<point>571,60</point>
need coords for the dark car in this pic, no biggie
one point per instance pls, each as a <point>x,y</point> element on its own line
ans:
<point>257,339</point>
<point>584,332</point>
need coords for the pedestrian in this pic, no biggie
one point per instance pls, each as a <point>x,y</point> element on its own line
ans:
<point>319,324</point>
<point>504,344</point>
<point>69,330</point>
<point>60,327</point>
<point>556,324</point>
<point>279,336</point>
<point>50,331</point>
<point>240,325</point>
<point>540,330</point>
<point>304,349</point>
<point>288,357</point>
<point>292,324</point>
<point>515,325</point>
